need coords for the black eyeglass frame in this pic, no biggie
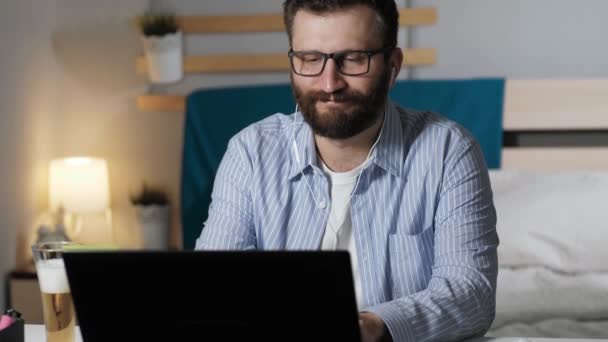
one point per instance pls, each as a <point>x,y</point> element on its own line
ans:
<point>338,58</point>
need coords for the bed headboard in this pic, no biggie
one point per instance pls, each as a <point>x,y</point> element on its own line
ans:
<point>559,106</point>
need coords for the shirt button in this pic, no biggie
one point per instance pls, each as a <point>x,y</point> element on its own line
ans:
<point>322,205</point>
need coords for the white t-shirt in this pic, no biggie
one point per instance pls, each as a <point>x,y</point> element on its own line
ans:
<point>338,233</point>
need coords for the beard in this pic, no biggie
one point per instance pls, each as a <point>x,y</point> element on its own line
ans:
<point>364,109</point>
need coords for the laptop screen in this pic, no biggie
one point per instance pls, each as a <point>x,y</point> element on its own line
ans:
<point>214,296</point>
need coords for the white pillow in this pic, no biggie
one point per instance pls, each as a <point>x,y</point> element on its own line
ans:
<point>536,294</point>
<point>557,219</point>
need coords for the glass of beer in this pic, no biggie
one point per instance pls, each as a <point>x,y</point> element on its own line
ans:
<point>57,305</point>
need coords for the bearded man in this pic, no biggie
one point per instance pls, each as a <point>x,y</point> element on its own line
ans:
<point>407,193</point>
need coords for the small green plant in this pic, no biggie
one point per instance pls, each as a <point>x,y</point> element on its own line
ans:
<point>149,196</point>
<point>158,23</point>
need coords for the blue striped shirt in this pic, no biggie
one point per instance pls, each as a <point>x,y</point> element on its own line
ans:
<point>423,217</point>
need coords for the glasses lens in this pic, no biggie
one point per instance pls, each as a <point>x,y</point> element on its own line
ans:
<point>307,63</point>
<point>353,63</point>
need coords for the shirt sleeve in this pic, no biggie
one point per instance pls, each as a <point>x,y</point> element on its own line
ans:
<point>459,300</point>
<point>230,222</point>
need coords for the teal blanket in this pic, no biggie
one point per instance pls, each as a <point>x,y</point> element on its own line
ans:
<point>213,116</point>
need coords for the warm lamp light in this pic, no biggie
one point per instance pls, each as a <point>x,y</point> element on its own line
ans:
<point>79,193</point>
<point>79,185</point>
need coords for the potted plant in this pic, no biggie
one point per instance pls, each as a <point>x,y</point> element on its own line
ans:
<point>162,41</point>
<point>153,216</point>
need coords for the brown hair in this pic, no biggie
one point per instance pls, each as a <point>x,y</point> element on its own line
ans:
<point>386,14</point>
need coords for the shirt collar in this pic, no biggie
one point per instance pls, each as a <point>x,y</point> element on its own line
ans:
<point>388,154</point>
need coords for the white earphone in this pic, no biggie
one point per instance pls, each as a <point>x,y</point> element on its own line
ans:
<point>294,144</point>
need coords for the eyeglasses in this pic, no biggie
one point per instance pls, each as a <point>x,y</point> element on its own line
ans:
<point>349,62</point>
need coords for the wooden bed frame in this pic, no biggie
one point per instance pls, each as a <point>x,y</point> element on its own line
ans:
<point>555,105</point>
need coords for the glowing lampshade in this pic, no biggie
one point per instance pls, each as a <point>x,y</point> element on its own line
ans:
<point>79,184</point>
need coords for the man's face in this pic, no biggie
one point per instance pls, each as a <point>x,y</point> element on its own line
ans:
<point>334,105</point>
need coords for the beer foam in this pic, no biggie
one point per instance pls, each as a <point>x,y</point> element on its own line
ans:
<point>52,276</point>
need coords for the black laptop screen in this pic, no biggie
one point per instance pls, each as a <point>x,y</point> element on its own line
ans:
<point>213,296</point>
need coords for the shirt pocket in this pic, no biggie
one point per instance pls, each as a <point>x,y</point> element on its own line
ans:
<point>411,261</point>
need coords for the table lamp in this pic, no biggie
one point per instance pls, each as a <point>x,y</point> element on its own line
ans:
<point>79,194</point>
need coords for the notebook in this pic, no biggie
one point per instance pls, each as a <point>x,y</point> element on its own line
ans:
<point>213,295</point>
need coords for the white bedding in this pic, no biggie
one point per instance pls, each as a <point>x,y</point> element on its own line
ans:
<point>541,302</point>
<point>534,294</point>
<point>553,254</point>
<point>562,328</point>
<point>555,219</point>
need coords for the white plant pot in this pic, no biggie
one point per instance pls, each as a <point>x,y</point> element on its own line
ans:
<point>154,221</point>
<point>165,58</point>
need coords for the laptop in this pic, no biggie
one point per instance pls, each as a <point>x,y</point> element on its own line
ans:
<point>213,296</point>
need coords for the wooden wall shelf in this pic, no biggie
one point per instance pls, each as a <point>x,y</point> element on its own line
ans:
<point>269,62</point>
<point>274,22</point>
<point>162,103</point>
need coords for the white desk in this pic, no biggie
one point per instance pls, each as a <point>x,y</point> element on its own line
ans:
<point>35,333</point>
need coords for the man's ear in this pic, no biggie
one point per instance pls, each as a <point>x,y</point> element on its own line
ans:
<point>396,61</point>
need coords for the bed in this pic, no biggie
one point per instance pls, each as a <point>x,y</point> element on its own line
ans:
<point>552,205</point>
<point>553,279</point>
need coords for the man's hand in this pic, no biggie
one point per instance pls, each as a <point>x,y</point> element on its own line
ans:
<point>373,328</point>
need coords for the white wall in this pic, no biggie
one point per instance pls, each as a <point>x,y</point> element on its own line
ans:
<point>517,38</point>
<point>27,101</point>
<point>96,44</point>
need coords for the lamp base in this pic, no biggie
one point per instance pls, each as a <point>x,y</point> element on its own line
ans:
<point>91,228</point>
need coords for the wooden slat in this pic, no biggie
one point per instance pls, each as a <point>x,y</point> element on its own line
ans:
<point>231,24</point>
<point>419,57</point>
<point>553,159</point>
<point>228,63</point>
<point>268,62</point>
<point>161,103</point>
<point>556,104</point>
<point>237,63</point>
<point>274,22</point>
<point>418,16</point>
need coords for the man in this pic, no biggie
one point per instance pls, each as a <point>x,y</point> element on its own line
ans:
<point>407,193</point>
